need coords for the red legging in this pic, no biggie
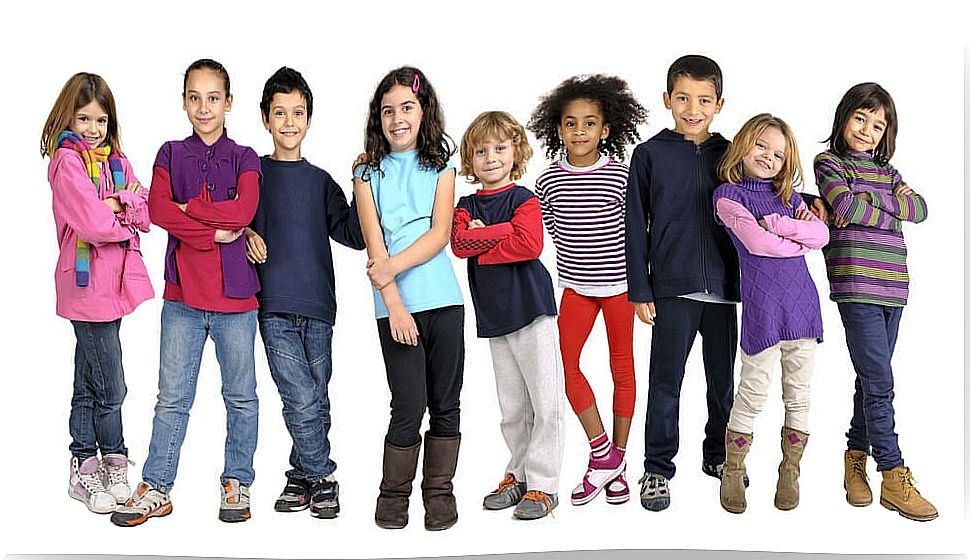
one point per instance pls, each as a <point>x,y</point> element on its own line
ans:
<point>577,314</point>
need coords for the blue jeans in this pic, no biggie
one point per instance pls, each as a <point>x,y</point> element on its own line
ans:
<point>99,390</point>
<point>298,352</point>
<point>184,332</point>
<point>870,334</point>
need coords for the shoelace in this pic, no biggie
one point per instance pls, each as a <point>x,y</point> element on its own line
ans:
<point>539,496</point>
<point>858,468</point>
<point>908,483</point>
<point>507,482</point>
<point>91,481</point>
<point>117,475</point>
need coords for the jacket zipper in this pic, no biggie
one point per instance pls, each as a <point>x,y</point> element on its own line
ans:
<point>700,184</point>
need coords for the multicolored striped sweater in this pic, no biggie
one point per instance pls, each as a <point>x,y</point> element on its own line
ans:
<point>866,260</point>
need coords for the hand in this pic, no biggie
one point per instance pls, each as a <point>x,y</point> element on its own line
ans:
<point>902,189</point>
<point>475,224</point>
<point>380,272</point>
<point>362,158</point>
<point>403,328</point>
<point>227,236</point>
<point>803,214</point>
<point>114,204</point>
<point>820,210</point>
<point>864,196</point>
<point>255,247</point>
<point>839,221</point>
<point>646,312</point>
<point>762,223</point>
<point>135,187</point>
<point>182,206</point>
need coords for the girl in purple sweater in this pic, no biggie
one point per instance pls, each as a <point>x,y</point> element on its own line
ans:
<point>780,318</point>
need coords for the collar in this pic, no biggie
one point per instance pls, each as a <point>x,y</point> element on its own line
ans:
<point>603,161</point>
<point>759,185</point>
<point>490,192</point>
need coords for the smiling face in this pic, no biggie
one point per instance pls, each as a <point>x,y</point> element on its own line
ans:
<point>206,103</point>
<point>401,115</point>
<point>91,124</point>
<point>767,156</point>
<point>581,127</point>
<point>693,104</point>
<point>492,162</point>
<point>864,129</point>
<point>288,123</point>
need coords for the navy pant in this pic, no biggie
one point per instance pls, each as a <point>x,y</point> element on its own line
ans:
<point>99,390</point>
<point>678,322</point>
<point>870,333</point>
<point>425,377</point>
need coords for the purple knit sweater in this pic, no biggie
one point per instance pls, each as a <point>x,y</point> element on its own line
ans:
<point>778,298</point>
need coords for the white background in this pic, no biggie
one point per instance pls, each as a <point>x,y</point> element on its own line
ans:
<point>793,61</point>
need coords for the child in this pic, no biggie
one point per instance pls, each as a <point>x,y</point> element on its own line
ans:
<point>300,208</point>
<point>866,265</point>
<point>99,207</point>
<point>499,230</point>
<point>772,228</point>
<point>405,193</point>
<point>204,192</point>
<point>590,120</point>
<point>682,270</point>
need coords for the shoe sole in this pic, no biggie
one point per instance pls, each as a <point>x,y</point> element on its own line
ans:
<point>80,498</point>
<point>657,504</point>
<point>325,512</point>
<point>289,507</point>
<point>390,525</point>
<point>616,500</point>
<point>891,507</point>
<point>596,492</point>
<point>160,511</point>
<point>733,509</point>
<point>234,519</point>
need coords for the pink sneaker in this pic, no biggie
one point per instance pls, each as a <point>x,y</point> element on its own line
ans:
<point>598,475</point>
<point>617,491</point>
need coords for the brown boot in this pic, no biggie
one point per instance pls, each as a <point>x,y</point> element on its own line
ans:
<point>736,447</point>
<point>856,484</point>
<point>793,445</point>
<point>440,460</point>
<point>899,494</point>
<point>400,463</point>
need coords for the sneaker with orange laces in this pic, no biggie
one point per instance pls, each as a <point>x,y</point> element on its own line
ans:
<point>234,506</point>
<point>508,494</point>
<point>145,503</point>
<point>535,505</point>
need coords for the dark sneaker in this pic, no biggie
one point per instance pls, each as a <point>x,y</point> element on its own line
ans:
<point>234,505</point>
<point>508,494</point>
<point>535,505</point>
<point>654,493</point>
<point>145,503</point>
<point>295,496</point>
<point>324,502</point>
<point>717,471</point>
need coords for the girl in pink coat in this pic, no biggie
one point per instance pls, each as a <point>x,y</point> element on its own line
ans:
<point>99,208</point>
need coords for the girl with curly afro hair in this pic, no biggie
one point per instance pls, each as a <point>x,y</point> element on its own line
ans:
<point>585,124</point>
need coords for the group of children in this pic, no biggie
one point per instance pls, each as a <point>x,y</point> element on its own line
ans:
<point>249,247</point>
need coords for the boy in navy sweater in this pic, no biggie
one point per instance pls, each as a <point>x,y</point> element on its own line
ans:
<point>300,209</point>
<point>682,270</point>
<point>499,230</point>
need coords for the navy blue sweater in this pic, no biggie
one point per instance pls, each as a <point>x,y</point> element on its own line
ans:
<point>300,209</point>
<point>673,245</point>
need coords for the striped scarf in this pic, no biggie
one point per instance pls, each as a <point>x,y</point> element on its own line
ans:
<point>92,157</point>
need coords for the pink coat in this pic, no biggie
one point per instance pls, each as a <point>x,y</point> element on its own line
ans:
<point>118,278</point>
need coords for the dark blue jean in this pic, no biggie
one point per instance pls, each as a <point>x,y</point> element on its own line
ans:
<point>99,390</point>
<point>870,333</point>
<point>677,324</point>
<point>298,351</point>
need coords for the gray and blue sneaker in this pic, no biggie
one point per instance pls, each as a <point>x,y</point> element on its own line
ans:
<point>654,494</point>
<point>324,498</point>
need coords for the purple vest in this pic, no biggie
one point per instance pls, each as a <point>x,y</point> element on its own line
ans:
<point>191,164</point>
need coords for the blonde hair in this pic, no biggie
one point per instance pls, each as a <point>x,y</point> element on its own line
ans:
<point>500,126</point>
<point>731,169</point>
<point>81,89</point>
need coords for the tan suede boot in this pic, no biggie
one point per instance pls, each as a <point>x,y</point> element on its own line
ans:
<point>899,494</point>
<point>793,445</point>
<point>856,484</point>
<point>736,447</point>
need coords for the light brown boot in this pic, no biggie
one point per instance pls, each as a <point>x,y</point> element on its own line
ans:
<point>793,445</point>
<point>899,494</point>
<point>736,446</point>
<point>856,484</point>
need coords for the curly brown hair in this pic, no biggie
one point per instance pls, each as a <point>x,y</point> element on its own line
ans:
<point>620,110</point>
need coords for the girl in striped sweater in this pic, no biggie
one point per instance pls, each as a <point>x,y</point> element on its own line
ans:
<point>589,120</point>
<point>866,264</point>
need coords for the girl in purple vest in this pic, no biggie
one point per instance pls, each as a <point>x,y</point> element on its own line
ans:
<point>205,190</point>
<point>772,229</point>
<point>99,208</point>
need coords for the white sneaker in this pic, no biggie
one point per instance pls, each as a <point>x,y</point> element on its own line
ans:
<point>114,473</point>
<point>87,486</point>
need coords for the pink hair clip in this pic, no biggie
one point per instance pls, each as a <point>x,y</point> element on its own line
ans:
<point>415,84</point>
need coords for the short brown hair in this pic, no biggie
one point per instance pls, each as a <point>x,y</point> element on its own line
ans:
<point>500,126</point>
<point>731,169</point>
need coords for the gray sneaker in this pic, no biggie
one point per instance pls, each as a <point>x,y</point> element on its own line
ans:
<point>234,506</point>
<point>508,494</point>
<point>535,505</point>
<point>654,494</point>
